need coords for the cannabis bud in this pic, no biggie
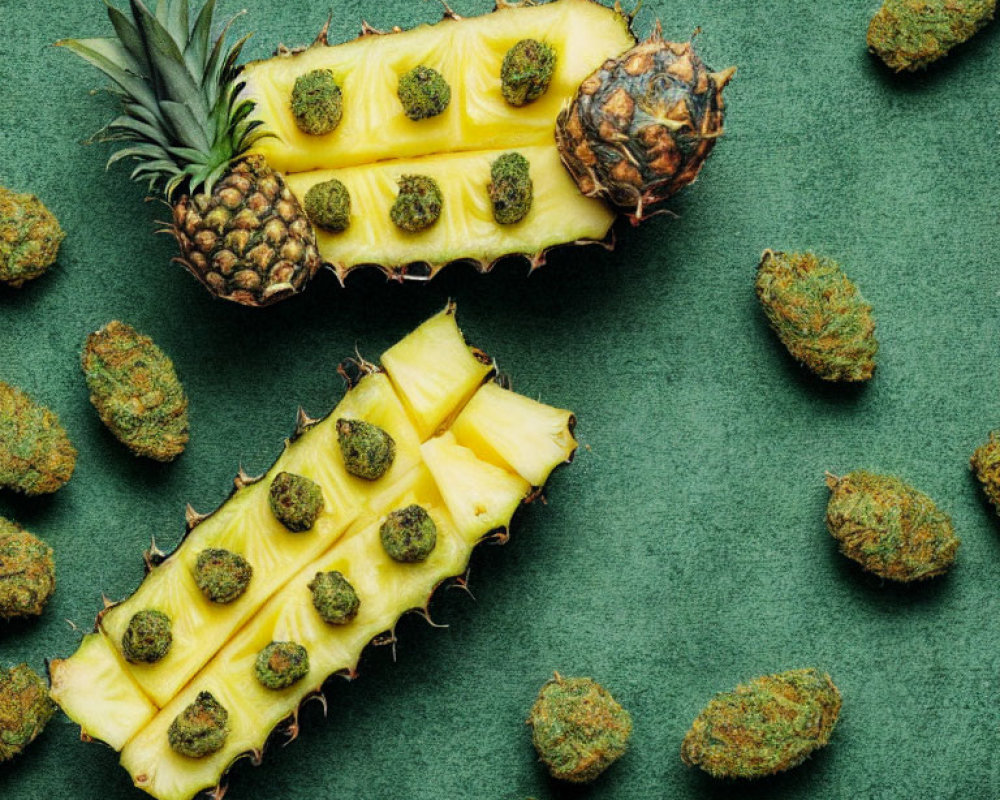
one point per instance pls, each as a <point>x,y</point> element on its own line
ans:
<point>985,463</point>
<point>221,575</point>
<point>818,314</point>
<point>27,572</point>
<point>408,534</point>
<point>368,450</point>
<point>424,93</point>
<point>295,501</point>
<point>36,456</point>
<point>328,205</point>
<point>317,104</point>
<point>25,708</point>
<point>910,34</point>
<point>136,391</point>
<point>147,638</point>
<point>281,664</point>
<point>418,204</point>
<point>526,71</point>
<point>763,727</point>
<point>334,598</point>
<point>578,728</point>
<point>29,238</point>
<point>888,527</point>
<point>200,729</point>
<point>511,190</point>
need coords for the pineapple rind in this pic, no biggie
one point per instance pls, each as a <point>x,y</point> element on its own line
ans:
<point>94,689</point>
<point>467,52</point>
<point>516,432</point>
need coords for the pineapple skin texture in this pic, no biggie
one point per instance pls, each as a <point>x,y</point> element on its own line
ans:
<point>460,480</point>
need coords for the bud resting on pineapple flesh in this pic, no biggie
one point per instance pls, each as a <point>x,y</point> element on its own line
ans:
<point>409,534</point>
<point>221,575</point>
<point>281,664</point>
<point>317,104</point>
<point>333,597</point>
<point>526,71</point>
<point>147,638</point>
<point>200,729</point>
<point>295,501</point>
<point>511,190</point>
<point>368,450</point>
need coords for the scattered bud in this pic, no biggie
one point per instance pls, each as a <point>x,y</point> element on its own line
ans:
<point>763,727</point>
<point>147,638</point>
<point>888,527</point>
<point>328,205</point>
<point>281,664</point>
<point>985,462</point>
<point>818,314</point>
<point>29,238</point>
<point>408,534</point>
<point>200,729</point>
<point>578,728</point>
<point>27,572</point>
<point>418,204</point>
<point>221,575</point>
<point>526,71</point>
<point>36,456</point>
<point>25,708</point>
<point>317,104</point>
<point>510,188</point>
<point>295,501</point>
<point>368,450</point>
<point>424,93</point>
<point>334,598</point>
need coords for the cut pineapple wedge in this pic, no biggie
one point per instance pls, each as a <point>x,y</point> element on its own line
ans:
<point>471,487</point>
<point>375,142</point>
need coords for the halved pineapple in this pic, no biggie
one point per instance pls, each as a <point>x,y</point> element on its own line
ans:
<point>375,142</point>
<point>429,379</point>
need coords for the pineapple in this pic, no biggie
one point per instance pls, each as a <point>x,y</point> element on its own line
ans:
<point>465,451</point>
<point>308,156</point>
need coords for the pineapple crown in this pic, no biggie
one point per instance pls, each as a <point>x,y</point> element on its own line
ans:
<point>182,113</point>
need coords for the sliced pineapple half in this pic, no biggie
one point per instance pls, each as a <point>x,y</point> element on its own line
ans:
<point>375,142</point>
<point>431,379</point>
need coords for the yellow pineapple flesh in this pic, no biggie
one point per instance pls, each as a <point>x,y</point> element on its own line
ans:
<point>471,486</point>
<point>375,142</point>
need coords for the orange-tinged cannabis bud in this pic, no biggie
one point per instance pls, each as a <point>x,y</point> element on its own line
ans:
<point>334,598</point>
<point>985,462</point>
<point>27,572</point>
<point>29,237</point>
<point>281,664</point>
<point>36,456</point>
<point>888,527</point>
<point>763,727</point>
<point>136,391</point>
<point>200,729</point>
<point>910,34</point>
<point>25,708</point>
<point>578,728</point>
<point>818,314</point>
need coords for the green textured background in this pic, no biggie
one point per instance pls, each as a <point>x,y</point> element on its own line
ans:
<point>684,551</point>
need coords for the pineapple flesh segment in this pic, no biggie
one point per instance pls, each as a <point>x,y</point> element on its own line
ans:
<point>467,52</point>
<point>96,692</point>
<point>245,525</point>
<point>516,432</point>
<point>466,228</point>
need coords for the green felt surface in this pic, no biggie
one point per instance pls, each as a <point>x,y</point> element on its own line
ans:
<point>684,550</point>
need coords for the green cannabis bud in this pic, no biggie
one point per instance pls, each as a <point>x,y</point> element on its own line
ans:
<point>281,664</point>
<point>222,576</point>
<point>526,71</point>
<point>334,598</point>
<point>511,189</point>
<point>147,638</point>
<point>200,729</point>
<point>423,92</point>
<point>27,572</point>
<point>368,450</point>
<point>295,501</point>
<point>36,456</point>
<point>408,534</point>
<point>136,391</point>
<point>317,104</point>
<point>418,204</point>
<point>985,462</point>
<point>818,314</point>
<point>29,238</point>
<point>578,728</point>
<point>25,709</point>
<point>911,34</point>
<point>763,727</point>
<point>328,205</point>
<point>888,527</point>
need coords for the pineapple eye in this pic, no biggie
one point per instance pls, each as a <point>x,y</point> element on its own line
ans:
<point>147,638</point>
<point>200,729</point>
<point>317,103</point>
<point>424,93</point>
<point>409,534</point>
<point>221,575</point>
<point>281,664</point>
<point>419,203</point>
<point>511,190</point>
<point>334,599</point>
<point>295,501</point>
<point>328,205</point>
<point>526,71</point>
